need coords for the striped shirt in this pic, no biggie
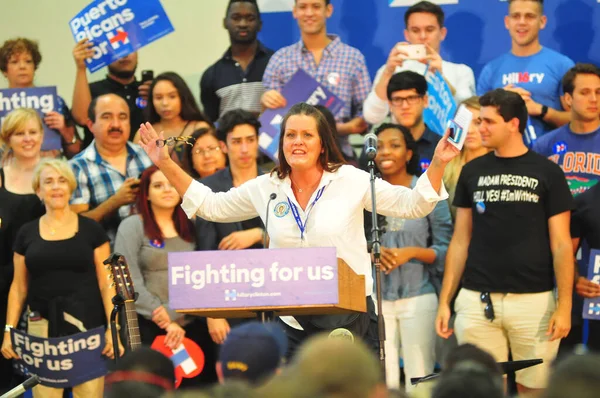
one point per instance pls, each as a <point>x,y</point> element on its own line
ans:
<point>342,69</point>
<point>98,180</point>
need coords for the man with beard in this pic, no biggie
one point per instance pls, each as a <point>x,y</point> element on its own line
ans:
<point>107,171</point>
<point>120,80</point>
<point>235,80</point>
<point>529,69</point>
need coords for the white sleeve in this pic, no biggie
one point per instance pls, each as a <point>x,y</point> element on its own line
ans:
<point>465,83</point>
<point>231,206</point>
<point>375,109</point>
<point>399,201</point>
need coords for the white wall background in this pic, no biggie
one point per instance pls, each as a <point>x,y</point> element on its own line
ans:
<point>198,41</point>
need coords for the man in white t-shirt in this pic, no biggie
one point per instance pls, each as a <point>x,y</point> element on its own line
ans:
<point>424,25</point>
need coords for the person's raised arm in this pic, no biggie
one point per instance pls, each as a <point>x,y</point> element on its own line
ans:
<point>82,96</point>
<point>456,258</point>
<point>233,205</point>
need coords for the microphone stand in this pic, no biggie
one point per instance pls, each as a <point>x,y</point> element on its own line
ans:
<point>376,251</point>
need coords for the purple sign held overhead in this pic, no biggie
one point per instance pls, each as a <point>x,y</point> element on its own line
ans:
<point>301,88</point>
<point>251,278</point>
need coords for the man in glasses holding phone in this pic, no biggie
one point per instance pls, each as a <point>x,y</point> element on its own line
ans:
<point>511,243</point>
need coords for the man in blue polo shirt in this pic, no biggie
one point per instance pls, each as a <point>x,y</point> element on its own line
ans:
<point>529,69</point>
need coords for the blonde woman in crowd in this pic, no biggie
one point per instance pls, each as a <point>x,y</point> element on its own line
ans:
<point>472,149</point>
<point>58,268</point>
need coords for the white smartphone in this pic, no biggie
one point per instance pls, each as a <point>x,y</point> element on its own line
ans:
<point>459,126</point>
<point>412,51</point>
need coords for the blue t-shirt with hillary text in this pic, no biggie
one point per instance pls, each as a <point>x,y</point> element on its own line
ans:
<point>577,154</point>
<point>540,74</point>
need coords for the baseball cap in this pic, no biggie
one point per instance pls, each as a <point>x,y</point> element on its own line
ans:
<point>252,351</point>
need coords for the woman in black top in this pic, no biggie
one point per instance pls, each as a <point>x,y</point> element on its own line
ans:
<point>22,136</point>
<point>59,269</point>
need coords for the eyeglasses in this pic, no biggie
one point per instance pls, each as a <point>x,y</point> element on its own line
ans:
<point>410,100</point>
<point>173,140</point>
<point>488,311</point>
<point>206,152</point>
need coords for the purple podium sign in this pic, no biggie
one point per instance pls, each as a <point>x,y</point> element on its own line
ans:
<point>253,278</point>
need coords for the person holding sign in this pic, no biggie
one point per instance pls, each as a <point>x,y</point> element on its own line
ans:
<point>337,66</point>
<point>120,80</point>
<point>19,59</point>
<point>511,247</point>
<point>318,202</point>
<point>412,254</point>
<point>21,134</point>
<point>59,272</point>
<point>425,30</point>
<point>173,109</point>
<point>585,227</point>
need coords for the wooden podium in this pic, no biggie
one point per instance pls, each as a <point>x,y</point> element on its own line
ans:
<point>350,287</point>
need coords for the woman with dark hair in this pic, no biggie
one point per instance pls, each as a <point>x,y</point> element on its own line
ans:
<point>412,256</point>
<point>172,109</point>
<point>207,155</point>
<point>319,202</point>
<point>145,239</point>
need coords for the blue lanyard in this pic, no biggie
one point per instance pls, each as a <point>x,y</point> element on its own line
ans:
<point>296,213</point>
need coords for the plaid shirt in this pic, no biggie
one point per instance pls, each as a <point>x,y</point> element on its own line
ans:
<point>98,180</point>
<point>342,69</point>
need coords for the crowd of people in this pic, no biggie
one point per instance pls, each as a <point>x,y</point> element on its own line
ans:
<point>484,250</point>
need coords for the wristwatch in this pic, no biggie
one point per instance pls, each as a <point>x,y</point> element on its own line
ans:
<point>544,112</point>
<point>7,328</point>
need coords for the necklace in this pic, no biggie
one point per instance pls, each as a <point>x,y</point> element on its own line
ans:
<point>52,229</point>
<point>300,190</point>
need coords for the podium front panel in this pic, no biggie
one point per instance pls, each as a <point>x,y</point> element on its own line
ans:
<point>238,279</point>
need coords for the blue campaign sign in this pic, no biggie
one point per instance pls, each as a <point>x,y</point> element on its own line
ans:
<point>591,306</point>
<point>300,88</point>
<point>63,361</point>
<point>441,105</point>
<point>42,99</point>
<point>119,27</point>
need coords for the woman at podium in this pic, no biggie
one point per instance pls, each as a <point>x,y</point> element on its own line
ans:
<point>318,201</point>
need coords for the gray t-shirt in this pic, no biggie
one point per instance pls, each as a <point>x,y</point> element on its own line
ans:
<point>148,264</point>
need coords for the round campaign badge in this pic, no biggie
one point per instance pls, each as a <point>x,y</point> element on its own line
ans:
<point>424,163</point>
<point>281,209</point>
<point>480,206</point>
<point>560,148</point>
<point>157,243</point>
<point>141,102</point>
<point>333,78</point>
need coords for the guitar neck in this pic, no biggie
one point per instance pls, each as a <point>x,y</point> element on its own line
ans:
<point>133,330</point>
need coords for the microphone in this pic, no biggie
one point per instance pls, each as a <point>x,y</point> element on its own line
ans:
<point>370,146</point>
<point>23,387</point>
<point>265,234</point>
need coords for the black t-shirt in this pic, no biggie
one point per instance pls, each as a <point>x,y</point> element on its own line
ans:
<point>129,92</point>
<point>585,221</point>
<point>62,275</point>
<point>511,200</point>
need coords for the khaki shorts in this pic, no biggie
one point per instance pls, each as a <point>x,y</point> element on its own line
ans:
<point>520,325</point>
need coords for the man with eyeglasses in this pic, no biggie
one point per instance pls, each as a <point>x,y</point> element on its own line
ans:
<point>511,247</point>
<point>239,130</point>
<point>407,99</point>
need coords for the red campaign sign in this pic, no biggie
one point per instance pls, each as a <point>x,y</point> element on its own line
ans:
<point>188,358</point>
